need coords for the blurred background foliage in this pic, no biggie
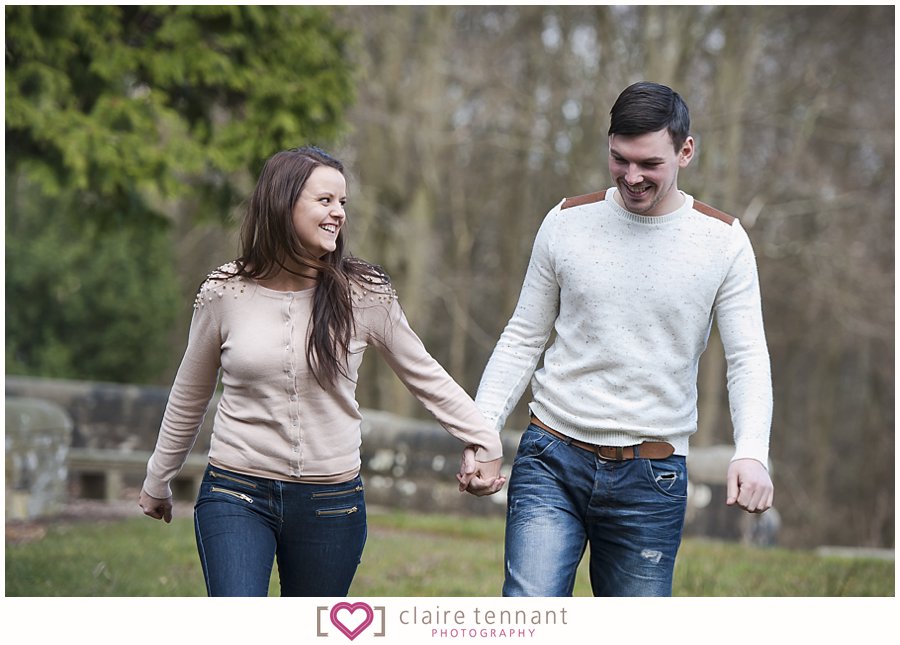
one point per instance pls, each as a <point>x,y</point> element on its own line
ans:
<point>126,126</point>
<point>134,133</point>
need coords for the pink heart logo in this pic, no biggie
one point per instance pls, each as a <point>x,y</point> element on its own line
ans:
<point>368,617</point>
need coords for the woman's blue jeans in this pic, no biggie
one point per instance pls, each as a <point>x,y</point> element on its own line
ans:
<point>244,524</point>
<point>562,497</point>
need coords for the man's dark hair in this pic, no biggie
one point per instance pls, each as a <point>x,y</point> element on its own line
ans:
<point>650,107</point>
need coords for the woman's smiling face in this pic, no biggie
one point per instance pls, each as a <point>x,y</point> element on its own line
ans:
<point>318,213</point>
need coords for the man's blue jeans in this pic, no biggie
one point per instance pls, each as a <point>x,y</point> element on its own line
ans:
<point>244,523</point>
<point>562,497</point>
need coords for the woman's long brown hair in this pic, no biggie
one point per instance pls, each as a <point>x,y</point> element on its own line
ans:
<point>269,244</point>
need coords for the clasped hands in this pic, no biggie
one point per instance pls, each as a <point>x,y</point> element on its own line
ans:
<point>479,478</point>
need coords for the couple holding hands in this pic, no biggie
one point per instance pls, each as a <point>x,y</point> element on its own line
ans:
<point>630,279</point>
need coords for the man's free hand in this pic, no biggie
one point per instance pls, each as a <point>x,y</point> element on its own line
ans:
<point>749,486</point>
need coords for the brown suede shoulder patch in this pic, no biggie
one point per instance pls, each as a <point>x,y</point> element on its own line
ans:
<point>581,200</point>
<point>708,210</point>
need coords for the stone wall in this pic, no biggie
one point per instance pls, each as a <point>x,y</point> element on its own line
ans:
<point>406,463</point>
<point>106,415</point>
<point>37,437</point>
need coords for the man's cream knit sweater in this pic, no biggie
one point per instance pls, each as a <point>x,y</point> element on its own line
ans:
<point>632,300</point>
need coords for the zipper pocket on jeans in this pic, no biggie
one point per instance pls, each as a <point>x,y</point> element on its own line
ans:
<point>244,482</point>
<point>337,493</point>
<point>246,498</point>
<point>339,511</point>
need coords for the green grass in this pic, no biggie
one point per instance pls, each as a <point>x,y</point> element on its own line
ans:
<point>406,555</point>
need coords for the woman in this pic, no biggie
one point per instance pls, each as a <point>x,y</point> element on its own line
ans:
<point>287,324</point>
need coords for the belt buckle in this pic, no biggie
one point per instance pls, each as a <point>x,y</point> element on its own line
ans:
<point>619,453</point>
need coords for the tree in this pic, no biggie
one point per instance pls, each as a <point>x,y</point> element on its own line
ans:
<point>474,121</point>
<point>128,103</point>
<point>83,300</point>
<point>116,116</point>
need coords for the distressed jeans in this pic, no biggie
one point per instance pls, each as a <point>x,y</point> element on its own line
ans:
<point>244,524</point>
<point>562,498</point>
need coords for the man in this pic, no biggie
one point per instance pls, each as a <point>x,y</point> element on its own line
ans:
<point>630,279</point>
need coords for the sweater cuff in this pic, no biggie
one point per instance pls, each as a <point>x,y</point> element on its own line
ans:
<point>489,453</point>
<point>758,455</point>
<point>156,489</point>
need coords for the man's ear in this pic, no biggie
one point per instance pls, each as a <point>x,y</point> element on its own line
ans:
<point>686,153</point>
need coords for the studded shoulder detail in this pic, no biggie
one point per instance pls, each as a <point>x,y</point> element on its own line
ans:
<point>219,283</point>
<point>369,290</point>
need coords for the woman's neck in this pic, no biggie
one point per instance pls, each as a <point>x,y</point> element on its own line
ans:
<point>287,281</point>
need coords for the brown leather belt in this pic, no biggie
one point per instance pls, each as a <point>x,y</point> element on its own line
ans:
<point>645,450</point>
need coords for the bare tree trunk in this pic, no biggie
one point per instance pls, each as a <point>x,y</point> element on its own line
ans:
<point>472,122</point>
<point>721,171</point>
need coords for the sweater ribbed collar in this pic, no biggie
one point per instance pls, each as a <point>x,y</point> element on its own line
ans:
<point>653,220</point>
